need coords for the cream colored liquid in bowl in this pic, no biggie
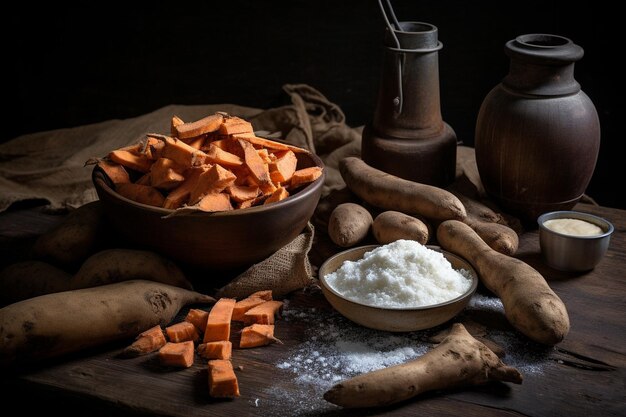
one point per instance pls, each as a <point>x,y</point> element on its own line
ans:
<point>573,227</point>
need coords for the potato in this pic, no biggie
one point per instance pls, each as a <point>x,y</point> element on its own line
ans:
<point>55,324</point>
<point>390,226</point>
<point>488,225</point>
<point>30,279</point>
<point>459,360</point>
<point>74,239</point>
<point>529,303</point>
<point>389,192</point>
<point>114,265</point>
<point>349,224</point>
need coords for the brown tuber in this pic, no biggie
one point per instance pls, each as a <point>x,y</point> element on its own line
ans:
<point>459,360</point>
<point>529,303</point>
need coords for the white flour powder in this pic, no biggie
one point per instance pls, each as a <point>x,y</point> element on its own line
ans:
<point>334,349</point>
<point>401,274</point>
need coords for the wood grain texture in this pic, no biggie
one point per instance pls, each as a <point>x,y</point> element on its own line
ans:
<point>584,376</point>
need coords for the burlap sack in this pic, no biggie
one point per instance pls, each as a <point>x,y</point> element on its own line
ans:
<point>285,271</point>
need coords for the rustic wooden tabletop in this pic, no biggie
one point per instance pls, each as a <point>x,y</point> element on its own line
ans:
<point>582,376</point>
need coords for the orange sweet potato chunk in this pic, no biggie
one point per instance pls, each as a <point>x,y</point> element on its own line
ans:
<point>199,127</point>
<point>278,195</point>
<point>198,318</point>
<point>218,323</point>
<point>182,332</point>
<point>116,172</point>
<point>234,125</point>
<point>258,335</point>
<point>180,195</point>
<point>182,153</point>
<point>282,169</point>
<point>263,313</point>
<point>222,379</point>
<point>144,194</point>
<point>305,175</point>
<point>147,342</point>
<point>216,350</point>
<point>165,174</point>
<point>215,202</point>
<point>132,160</point>
<point>244,305</point>
<point>179,355</point>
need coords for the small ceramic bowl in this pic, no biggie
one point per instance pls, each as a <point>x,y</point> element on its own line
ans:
<point>389,318</point>
<point>572,253</point>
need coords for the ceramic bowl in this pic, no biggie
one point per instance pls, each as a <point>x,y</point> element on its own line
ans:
<point>228,240</point>
<point>389,318</point>
<point>573,253</point>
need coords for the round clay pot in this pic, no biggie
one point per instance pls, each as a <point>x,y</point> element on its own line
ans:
<point>537,134</point>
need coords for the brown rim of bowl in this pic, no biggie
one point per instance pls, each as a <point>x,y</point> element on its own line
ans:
<point>368,248</point>
<point>100,179</point>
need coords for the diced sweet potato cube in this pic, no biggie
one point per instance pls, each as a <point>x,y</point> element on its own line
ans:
<point>144,194</point>
<point>180,195</point>
<point>216,350</point>
<point>176,121</point>
<point>258,335</point>
<point>305,175</point>
<point>244,305</point>
<point>182,332</point>
<point>183,154</point>
<point>116,172</point>
<point>251,203</point>
<point>199,127</point>
<point>278,195</point>
<point>267,143</point>
<point>147,342</point>
<point>222,379</point>
<point>197,143</point>
<point>263,313</point>
<point>264,154</point>
<point>177,354</point>
<point>218,323</point>
<point>214,180</point>
<point>165,174</point>
<point>153,148</point>
<point>240,193</point>
<point>282,169</point>
<point>132,160</point>
<point>258,169</point>
<point>198,318</point>
<point>215,202</point>
<point>234,125</point>
<point>219,156</point>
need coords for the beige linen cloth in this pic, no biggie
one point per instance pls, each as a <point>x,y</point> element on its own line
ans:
<point>50,165</point>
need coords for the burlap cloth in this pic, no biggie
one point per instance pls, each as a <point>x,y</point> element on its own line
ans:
<point>50,165</point>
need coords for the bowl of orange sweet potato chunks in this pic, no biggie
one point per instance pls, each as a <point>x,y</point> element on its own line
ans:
<point>212,194</point>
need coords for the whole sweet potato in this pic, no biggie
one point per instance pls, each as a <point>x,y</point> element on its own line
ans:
<point>74,239</point>
<point>55,324</point>
<point>349,224</point>
<point>389,192</point>
<point>529,303</point>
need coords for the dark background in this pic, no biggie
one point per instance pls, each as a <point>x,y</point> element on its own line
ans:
<point>69,66</point>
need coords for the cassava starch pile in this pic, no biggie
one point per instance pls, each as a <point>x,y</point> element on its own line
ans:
<point>401,274</point>
<point>335,349</point>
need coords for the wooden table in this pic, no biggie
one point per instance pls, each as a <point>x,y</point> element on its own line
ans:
<point>584,375</point>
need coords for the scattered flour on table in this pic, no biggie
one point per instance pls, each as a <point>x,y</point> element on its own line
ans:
<point>334,349</point>
<point>404,273</point>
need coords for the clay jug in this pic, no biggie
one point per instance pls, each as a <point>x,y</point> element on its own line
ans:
<point>537,133</point>
<point>407,136</point>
